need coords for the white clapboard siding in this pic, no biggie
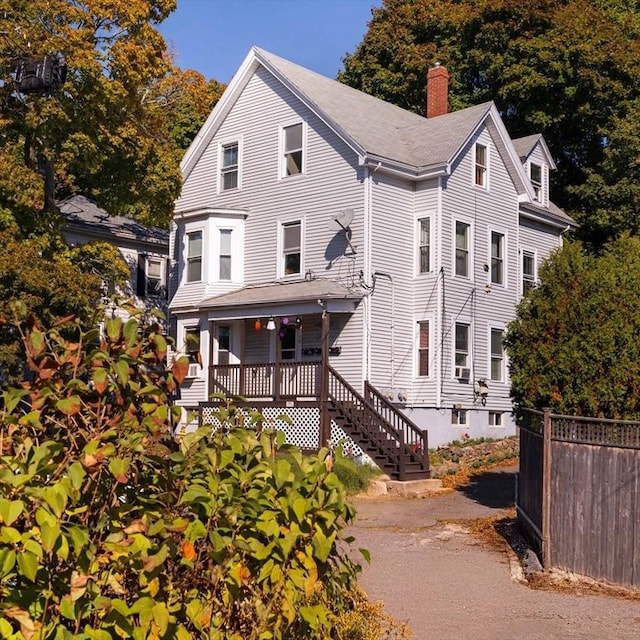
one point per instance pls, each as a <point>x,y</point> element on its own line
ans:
<point>392,203</point>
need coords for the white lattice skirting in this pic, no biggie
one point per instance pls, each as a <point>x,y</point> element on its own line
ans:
<point>303,431</point>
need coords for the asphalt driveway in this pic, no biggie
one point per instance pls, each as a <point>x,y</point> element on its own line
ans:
<point>431,572</point>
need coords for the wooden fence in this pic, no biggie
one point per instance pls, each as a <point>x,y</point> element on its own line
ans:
<point>579,494</point>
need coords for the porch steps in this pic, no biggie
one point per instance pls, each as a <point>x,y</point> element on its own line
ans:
<point>376,442</point>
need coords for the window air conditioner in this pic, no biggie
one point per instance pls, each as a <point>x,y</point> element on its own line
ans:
<point>464,373</point>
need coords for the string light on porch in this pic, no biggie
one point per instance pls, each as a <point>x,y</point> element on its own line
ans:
<point>271,324</point>
<point>257,325</point>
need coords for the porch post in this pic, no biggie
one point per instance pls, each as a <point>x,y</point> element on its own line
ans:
<point>325,419</point>
<point>210,363</point>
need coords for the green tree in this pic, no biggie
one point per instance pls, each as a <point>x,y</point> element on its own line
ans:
<point>184,99</point>
<point>569,70</point>
<point>574,344</point>
<point>49,282</point>
<point>100,132</point>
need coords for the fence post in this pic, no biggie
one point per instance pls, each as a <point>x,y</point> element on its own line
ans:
<point>546,489</point>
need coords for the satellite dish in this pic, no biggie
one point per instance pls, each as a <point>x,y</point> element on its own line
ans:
<point>341,221</point>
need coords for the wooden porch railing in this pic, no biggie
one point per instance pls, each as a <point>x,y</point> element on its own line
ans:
<point>278,380</point>
<point>396,444</point>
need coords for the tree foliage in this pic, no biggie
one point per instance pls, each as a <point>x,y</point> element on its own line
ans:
<point>100,131</point>
<point>111,529</point>
<point>569,70</point>
<point>574,344</point>
<point>48,281</point>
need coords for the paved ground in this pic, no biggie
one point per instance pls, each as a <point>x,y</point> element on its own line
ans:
<point>449,586</point>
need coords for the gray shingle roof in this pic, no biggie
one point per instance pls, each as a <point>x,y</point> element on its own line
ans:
<point>82,213</point>
<point>524,146</point>
<point>275,292</point>
<point>378,127</point>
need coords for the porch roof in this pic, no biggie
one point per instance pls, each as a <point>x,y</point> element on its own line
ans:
<point>272,296</point>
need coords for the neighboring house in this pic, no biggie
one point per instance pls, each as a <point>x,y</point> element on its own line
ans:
<point>144,249</point>
<point>397,246</point>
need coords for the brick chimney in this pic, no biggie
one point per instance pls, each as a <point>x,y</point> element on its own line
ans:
<point>437,91</point>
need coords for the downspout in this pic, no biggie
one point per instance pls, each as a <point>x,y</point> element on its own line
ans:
<point>366,334</point>
<point>439,316</point>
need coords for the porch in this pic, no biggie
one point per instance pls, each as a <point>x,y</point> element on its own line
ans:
<point>318,400</point>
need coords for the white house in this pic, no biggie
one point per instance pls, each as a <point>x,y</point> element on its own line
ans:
<point>395,245</point>
<point>144,249</point>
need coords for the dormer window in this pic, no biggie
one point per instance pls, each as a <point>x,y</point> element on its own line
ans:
<point>535,174</point>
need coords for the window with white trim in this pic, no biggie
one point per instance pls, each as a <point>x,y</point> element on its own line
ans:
<point>461,345</point>
<point>497,258</point>
<point>481,165</point>
<point>535,175</point>
<point>192,344</point>
<point>528,271</point>
<point>463,233</point>
<point>225,254</point>
<point>151,280</point>
<point>459,417</point>
<point>292,142</point>
<point>495,419</point>
<point>424,245</point>
<point>229,169</point>
<point>194,256</point>
<point>497,355</point>
<point>291,248</point>
<point>423,348</point>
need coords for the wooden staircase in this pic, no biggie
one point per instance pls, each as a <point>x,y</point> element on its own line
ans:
<point>384,433</point>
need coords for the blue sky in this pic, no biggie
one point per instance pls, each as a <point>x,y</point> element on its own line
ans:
<point>214,36</point>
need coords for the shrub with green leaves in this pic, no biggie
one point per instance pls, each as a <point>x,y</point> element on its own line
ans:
<point>574,344</point>
<point>109,528</point>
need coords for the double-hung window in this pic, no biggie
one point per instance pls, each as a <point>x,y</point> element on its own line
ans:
<point>225,254</point>
<point>291,248</point>
<point>463,231</point>
<point>192,344</point>
<point>424,245</point>
<point>528,271</point>
<point>535,174</point>
<point>194,256</point>
<point>497,356</point>
<point>481,165</point>
<point>229,167</point>
<point>497,258</point>
<point>151,276</point>
<point>423,348</point>
<point>292,148</point>
<point>461,347</point>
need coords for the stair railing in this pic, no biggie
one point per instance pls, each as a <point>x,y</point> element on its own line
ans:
<point>389,431</point>
<point>415,439</point>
